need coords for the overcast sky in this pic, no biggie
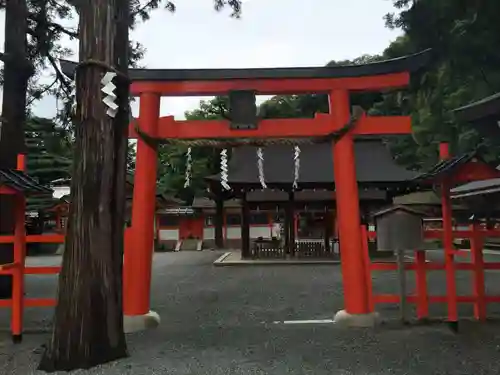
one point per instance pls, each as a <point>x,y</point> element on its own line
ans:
<point>271,33</point>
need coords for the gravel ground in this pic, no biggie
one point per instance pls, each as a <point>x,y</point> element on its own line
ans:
<point>220,320</point>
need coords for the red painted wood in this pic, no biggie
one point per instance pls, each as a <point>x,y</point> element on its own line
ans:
<point>191,227</point>
<point>139,254</point>
<point>346,190</point>
<point>274,128</point>
<point>271,86</point>
<point>421,284</point>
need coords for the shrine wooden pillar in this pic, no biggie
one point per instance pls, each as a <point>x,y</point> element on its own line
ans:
<point>328,223</point>
<point>219,221</point>
<point>347,199</point>
<point>138,257</point>
<point>286,228</point>
<point>245,227</point>
<point>291,222</point>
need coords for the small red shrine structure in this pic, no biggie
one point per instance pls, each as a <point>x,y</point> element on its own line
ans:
<point>338,82</point>
<point>18,185</point>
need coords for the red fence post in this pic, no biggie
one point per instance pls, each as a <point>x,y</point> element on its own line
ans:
<point>18,271</point>
<point>19,258</point>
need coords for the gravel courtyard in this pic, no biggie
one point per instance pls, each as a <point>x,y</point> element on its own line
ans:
<point>221,320</point>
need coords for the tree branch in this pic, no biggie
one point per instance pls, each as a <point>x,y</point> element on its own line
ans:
<point>57,27</point>
<point>143,8</point>
<point>53,25</point>
<point>59,74</point>
<point>40,93</point>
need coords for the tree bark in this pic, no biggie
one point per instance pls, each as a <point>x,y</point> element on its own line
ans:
<point>88,326</point>
<point>17,71</point>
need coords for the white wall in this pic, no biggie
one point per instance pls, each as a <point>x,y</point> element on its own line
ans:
<point>168,234</point>
<point>209,233</point>
<point>260,231</point>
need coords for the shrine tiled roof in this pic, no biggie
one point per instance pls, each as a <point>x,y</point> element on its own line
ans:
<point>475,188</point>
<point>489,106</point>
<point>374,165</point>
<point>21,182</point>
<point>447,166</point>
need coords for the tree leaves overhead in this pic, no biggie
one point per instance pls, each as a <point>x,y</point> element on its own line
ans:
<point>465,36</point>
<point>49,156</point>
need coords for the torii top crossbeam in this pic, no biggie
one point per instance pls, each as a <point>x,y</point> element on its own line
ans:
<point>381,75</point>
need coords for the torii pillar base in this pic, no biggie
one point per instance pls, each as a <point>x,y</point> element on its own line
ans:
<point>344,319</point>
<point>136,323</point>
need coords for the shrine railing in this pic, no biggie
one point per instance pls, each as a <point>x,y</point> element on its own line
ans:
<point>304,248</point>
<point>9,269</point>
<point>421,266</point>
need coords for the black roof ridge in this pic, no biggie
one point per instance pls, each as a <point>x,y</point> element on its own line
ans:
<point>20,181</point>
<point>398,207</point>
<point>409,63</point>
<point>481,108</point>
<point>445,166</point>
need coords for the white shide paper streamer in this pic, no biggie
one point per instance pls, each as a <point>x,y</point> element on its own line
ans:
<point>224,170</point>
<point>108,88</point>
<point>189,166</point>
<point>260,167</point>
<point>296,158</point>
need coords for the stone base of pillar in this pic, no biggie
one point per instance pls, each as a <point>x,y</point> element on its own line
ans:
<point>343,318</point>
<point>136,323</point>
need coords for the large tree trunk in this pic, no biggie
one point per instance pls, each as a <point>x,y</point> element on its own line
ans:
<point>88,327</point>
<point>17,71</point>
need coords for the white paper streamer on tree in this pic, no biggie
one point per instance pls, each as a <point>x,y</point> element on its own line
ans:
<point>260,167</point>
<point>73,98</point>
<point>109,99</point>
<point>189,167</point>
<point>224,170</point>
<point>296,158</point>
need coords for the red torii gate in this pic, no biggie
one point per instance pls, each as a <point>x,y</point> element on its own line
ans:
<point>338,82</point>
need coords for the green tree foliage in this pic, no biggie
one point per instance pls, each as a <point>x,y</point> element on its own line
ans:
<point>172,158</point>
<point>464,36</point>
<point>49,148</point>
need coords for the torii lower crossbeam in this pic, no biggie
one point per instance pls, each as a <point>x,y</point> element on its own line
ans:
<point>169,128</point>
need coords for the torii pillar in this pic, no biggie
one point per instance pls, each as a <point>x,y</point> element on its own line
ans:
<point>138,257</point>
<point>357,311</point>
